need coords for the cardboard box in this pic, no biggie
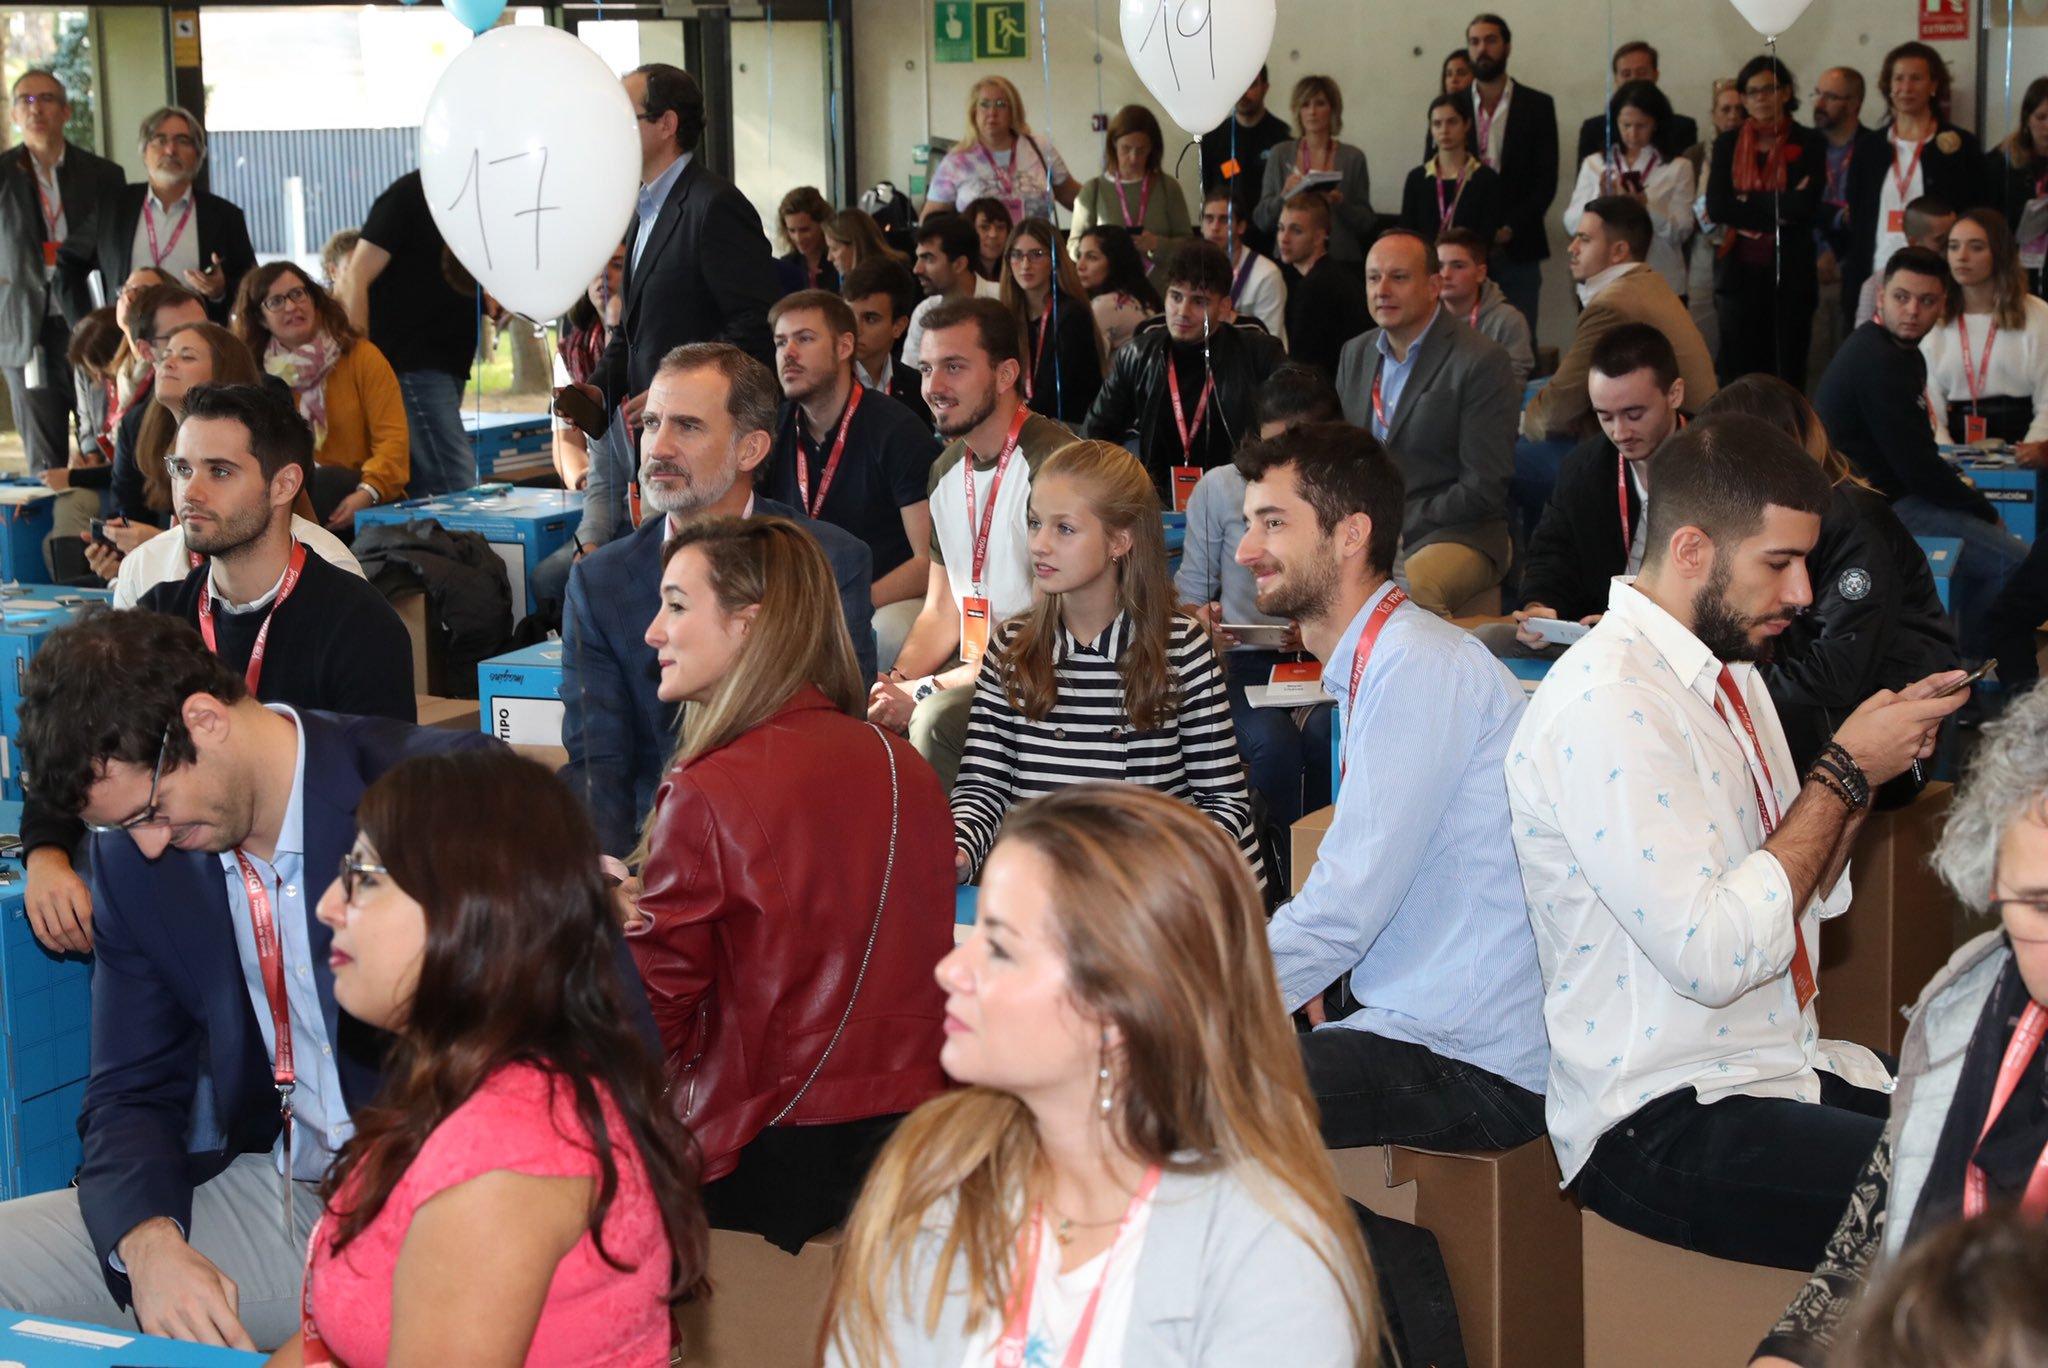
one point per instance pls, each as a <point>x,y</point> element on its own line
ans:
<point>524,526</point>
<point>1305,838</point>
<point>769,1308</point>
<point>1651,1303</point>
<point>454,714</point>
<point>45,1029</point>
<point>411,608</point>
<point>1509,1238</point>
<point>520,694</point>
<point>1902,925</point>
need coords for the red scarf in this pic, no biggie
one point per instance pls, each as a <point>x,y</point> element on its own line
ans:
<point>1774,174</point>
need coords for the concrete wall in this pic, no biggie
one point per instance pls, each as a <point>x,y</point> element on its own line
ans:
<point>1386,56</point>
<point>135,77</point>
<point>779,144</point>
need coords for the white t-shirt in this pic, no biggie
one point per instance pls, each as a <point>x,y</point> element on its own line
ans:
<point>1891,201</point>
<point>1264,296</point>
<point>2018,369</point>
<point>984,288</point>
<point>162,559</point>
<point>1059,1299</point>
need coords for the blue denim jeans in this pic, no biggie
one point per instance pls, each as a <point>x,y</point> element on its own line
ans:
<point>443,461</point>
<point>1989,556</point>
<point>1290,765</point>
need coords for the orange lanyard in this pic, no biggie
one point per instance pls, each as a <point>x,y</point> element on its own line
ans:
<point>1804,985</point>
<point>1189,430</point>
<point>292,570</point>
<point>1367,639</point>
<point>803,464</point>
<point>1017,1324</point>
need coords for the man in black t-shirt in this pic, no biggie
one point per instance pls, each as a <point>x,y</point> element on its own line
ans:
<point>1326,301</point>
<point>1246,137</point>
<point>846,455</point>
<point>405,290</point>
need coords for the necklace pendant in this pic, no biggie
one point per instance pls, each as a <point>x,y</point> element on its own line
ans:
<point>1065,1233</point>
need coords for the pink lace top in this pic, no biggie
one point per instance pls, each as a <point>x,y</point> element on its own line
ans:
<point>594,1314</point>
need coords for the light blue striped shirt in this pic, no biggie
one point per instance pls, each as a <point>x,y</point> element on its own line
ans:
<point>1415,893</point>
<point>653,195</point>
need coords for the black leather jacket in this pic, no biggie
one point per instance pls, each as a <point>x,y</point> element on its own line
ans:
<point>1136,398</point>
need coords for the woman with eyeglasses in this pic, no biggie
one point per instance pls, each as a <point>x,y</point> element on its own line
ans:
<point>1064,356</point>
<point>1968,1133</point>
<point>520,1189</point>
<point>344,387</point>
<point>1130,1173</point>
<point>999,155</point>
<point>1764,188</point>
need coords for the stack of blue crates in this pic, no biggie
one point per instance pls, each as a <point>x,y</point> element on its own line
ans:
<point>28,614</point>
<point>45,1021</point>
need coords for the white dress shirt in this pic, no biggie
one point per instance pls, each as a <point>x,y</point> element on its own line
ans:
<point>1668,190</point>
<point>1264,296</point>
<point>1497,126</point>
<point>1664,929</point>
<point>2018,368</point>
<point>1590,290</point>
<point>163,559</point>
<point>182,257</point>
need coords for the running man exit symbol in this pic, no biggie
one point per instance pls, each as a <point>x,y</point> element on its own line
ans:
<point>999,29</point>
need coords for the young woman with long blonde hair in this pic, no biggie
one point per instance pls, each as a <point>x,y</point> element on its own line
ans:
<point>1102,677</point>
<point>1131,1173</point>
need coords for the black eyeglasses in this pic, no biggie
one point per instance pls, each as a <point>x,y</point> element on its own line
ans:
<point>278,303</point>
<point>51,99</point>
<point>353,868</point>
<point>2037,906</point>
<point>149,816</point>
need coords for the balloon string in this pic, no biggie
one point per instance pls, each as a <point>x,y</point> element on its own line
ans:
<point>1777,240</point>
<point>1052,216</point>
<point>768,14</point>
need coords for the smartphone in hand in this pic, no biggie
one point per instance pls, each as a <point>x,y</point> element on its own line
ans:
<point>579,408</point>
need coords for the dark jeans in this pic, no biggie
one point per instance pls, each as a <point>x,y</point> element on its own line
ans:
<point>1375,1091</point>
<point>1760,1180</point>
<point>1290,765</point>
<point>1522,283</point>
<point>43,415</point>
<point>794,1183</point>
<point>1421,1314</point>
<point>1762,329</point>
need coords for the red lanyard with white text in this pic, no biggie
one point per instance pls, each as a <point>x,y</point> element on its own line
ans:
<point>1976,377</point>
<point>1038,350</point>
<point>1903,182</point>
<point>1444,213</point>
<point>1768,815</point>
<point>1367,639</point>
<point>292,570</point>
<point>50,216</point>
<point>1123,205</point>
<point>978,558</point>
<point>270,963</point>
<point>1189,430</point>
<point>803,464</point>
<point>1379,409</point>
<point>1484,119</point>
<point>2019,1052</point>
<point>1010,1349</point>
<point>157,254</point>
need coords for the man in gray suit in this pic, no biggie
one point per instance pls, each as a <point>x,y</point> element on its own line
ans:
<point>1443,399</point>
<point>51,198</point>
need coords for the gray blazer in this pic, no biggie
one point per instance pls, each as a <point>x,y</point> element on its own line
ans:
<point>1351,223</point>
<point>1222,1283</point>
<point>1453,433</point>
<point>88,185</point>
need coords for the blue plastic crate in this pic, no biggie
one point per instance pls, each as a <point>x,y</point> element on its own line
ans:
<point>29,613</point>
<point>47,1342</point>
<point>508,444</point>
<point>27,513</point>
<point>46,1022</point>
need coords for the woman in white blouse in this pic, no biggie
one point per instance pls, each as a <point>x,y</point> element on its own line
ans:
<point>1130,1173</point>
<point>1639,162</point>
<point>1987,363</point>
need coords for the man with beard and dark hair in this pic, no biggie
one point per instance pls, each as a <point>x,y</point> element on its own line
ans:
<point>1514,131</point>
<point>1414,909</point>
<point>1677,868</point>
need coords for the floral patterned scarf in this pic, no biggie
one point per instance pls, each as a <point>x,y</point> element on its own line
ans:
<point>305,368</point>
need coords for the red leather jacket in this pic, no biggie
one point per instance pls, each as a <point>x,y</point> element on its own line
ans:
<point>764,866</point>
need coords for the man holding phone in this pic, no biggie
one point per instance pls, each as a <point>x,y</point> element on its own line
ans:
<point>1583,539</point>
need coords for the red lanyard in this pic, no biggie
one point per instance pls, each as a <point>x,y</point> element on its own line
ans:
<point>2019,1052</point>
<point>1443,214</point>
<point>803,464</point>
<point>1017,1324</point>
<point>1006,181</point>
<point>1367,639</point>
<point>1837,191</point>
<point>1124,206</point>
<point>1621,497</point>
<point>1484,119</point>
<point>1618,160</point>
<point>292,570</point>
<point>1904,183</point>
<point>1301,157</point>
<point>1767,816</point>
<point>157,254</point>
<point>1189,430</point>
<point>1976,376</point>
<point>50,216</point>
<point>1473,317</point>
<point>1038,348</point>
<point>979,556</point>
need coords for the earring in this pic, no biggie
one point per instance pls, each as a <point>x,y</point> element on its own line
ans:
<point>1103,1088</point>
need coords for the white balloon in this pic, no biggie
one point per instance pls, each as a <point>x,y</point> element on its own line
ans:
<point>1772,17</point>
<point>530,160</point>
<point>1197,56</point>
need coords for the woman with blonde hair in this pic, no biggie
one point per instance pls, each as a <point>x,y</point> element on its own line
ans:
<point>851,237</point>
<point>1318,108</point>
<point>1131,1173</point>
<point>1987,361</point>
<point>793,892</point>
<point>999,155</point>
<point>1065,357</point>
<point>1876,620</point>
<point>192,354</point>
<point>1102,677</point>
